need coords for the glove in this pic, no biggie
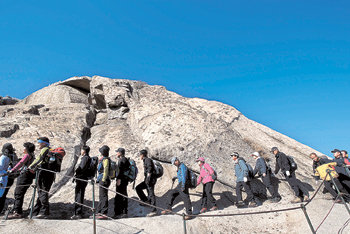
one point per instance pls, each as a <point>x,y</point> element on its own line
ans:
<point>245,179</point>
<point>287,173</point>
<point>174,178</point>
<point>264,174</point>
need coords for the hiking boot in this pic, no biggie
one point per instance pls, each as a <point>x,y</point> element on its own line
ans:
<point>165,212</point>
<point>76,217</point>
<point>214,208</point>
<point>153,213</point>
<point>296,200</point>
<point>252,204</point>
<point>101,217</point>
<point>306,198</point>
<point>203,210</point>
<point>15,215</point>
<point>41,216</point>
<point>240,204</point>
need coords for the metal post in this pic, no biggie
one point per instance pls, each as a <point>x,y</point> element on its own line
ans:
<point>307,218</point>
<point>93,205</point>
<point>183,217</point>
<point>33,197</point>
<point>338,191</point>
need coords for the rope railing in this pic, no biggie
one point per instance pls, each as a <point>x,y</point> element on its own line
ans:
<point>303,206</point>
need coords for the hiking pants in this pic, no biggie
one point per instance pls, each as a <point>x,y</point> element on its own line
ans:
<point>208,195</point>
<point>79,196</point>
<point>45,182</point>
<point>26,178</point>
<point>120,202</point>
<point>267,182</point>
<point>246,185</point>
<point>102,207</point>
<point>185,196</point>
<point>297,186</point>
<point>345,181</point>
<point>3,198</point>
<point>150,191</point>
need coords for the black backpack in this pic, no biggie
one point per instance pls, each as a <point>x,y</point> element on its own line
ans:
<point>191,179</point>
<point>292,163</point>
<point>92,168</point>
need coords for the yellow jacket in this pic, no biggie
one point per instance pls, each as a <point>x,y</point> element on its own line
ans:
<point>321,171</point>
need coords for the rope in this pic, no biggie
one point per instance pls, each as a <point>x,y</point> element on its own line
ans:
<point>324,219</point>
<point>316,192</point>
<point>344,226</point>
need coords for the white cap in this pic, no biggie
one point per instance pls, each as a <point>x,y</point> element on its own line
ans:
<point>256,154</point>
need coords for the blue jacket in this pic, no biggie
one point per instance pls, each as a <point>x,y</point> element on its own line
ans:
<point>4,163</point>
<point>260,167</point>
<point>241,170</point>
<point>182,175</point>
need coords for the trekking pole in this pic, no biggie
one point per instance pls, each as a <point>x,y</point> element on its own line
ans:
<point>34,191</point>
<point>307,218</point>
<point>93,205</point>
<point>185,229</point>
<point>338,191</point>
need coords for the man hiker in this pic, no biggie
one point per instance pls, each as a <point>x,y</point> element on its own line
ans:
<point>243,181</point>
<point>207,178</point>
<point>262,169</point>
<point>283,164</point>
<point>103,180</point>
<point>121,202</point>
<point>180,190</point>
<point>148,183</point>
<point>81,173</point>
<point>24,180</point>
<point>7,159</point>
<point>344,175</point>
<point>44,180</point>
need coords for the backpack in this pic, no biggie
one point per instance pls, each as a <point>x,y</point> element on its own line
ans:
<point>158,168</point>
<point>132,172</point>
<point>250,171</point>
<point>113,169</point>
<point>191,179</point>
<point>292,163</point>
<point>55,157</point>
<point>92,168</point>
<point>346,161</point>
<point>214,176</point>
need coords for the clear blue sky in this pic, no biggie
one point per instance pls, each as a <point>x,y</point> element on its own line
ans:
<point>285,64</point>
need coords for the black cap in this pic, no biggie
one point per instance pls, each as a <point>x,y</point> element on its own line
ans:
<point>8,149</point>
<point>30,147</point>
<point>143,152</point>
<point>235,154</point>
<point>346,152</point>
<point>273,149</point>
<point>104,150</point>
<point>335,150</point>
<point>121,150</point>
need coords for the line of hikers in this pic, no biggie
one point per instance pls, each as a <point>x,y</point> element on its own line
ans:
<point>124,171</point>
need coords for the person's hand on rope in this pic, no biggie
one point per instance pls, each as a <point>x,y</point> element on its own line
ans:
<point>245,179</point>
<point>287,173</point>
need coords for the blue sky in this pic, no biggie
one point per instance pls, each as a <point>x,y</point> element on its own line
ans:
<point>285,64</point>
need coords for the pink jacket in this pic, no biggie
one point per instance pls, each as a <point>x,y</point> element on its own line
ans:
<point>21,163</point>
<point>205,174</point>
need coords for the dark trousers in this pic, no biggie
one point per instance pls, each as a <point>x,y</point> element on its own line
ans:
<point>79,196</point>
<point>120,202</point>
<point>345,181</point>
<point>26,178</point>
<point>102,207</point>
<point>267,182</point>
<point>151,198</point>
<point>207,195</point>
<point>45,181</point>
<point>297,186</point>
<point>185,196</point>
<point>3,198</point>
<point>246,185</point>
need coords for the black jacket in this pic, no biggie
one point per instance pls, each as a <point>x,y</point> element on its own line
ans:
<point>340,169</point>
<point>124,166</point>
<point>148,167</point>
<point>282,163</point>
<point>81,171</point>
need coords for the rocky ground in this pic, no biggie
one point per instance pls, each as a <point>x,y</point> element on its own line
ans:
<point>134,115</point>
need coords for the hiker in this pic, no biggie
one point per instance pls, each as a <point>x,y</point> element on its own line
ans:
<point>120,202</point>
<point>243,181</point>
<point>321,168</point>
<point>180,190</point>
<point>264,171</point>
<point>24,180</point>
<point>283,164</point>
<point>103,180</point>
<point>344,154</point>
<point>81,173</point>
<point>148,183</point>
<point>344,176</point>
<point>7,159</point>
<point>45,179</point>
<point>207,178</point>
